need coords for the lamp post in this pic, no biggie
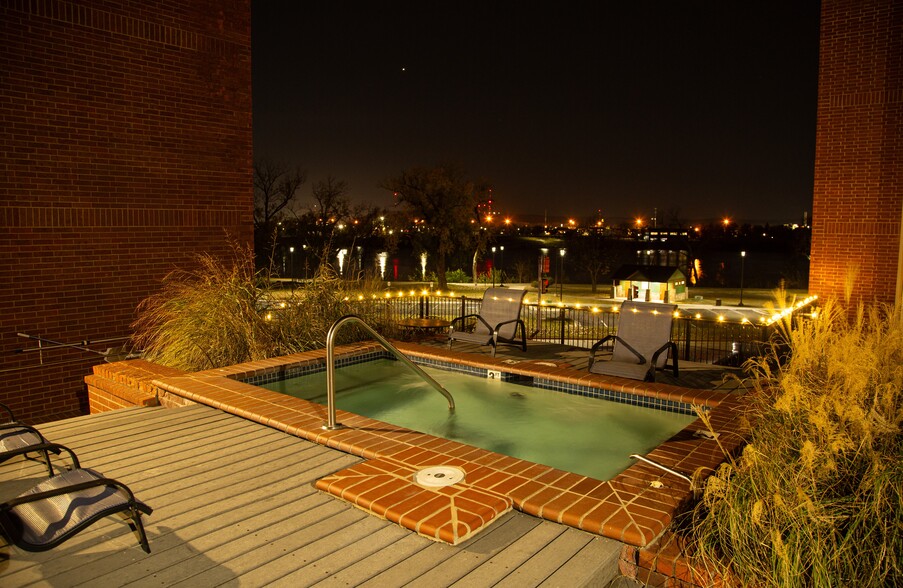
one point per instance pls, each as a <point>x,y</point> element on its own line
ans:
<point>291,267</point>
<point>492,269</point>
<point>561,253</point>
<point>543,258</point>
<point>502,265</point>
<point>742,264</point>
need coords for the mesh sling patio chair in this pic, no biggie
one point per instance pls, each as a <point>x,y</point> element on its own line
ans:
<point>498,321</point>
<point>61,506</point>
<point>642,344</point>
<point>20,439</point>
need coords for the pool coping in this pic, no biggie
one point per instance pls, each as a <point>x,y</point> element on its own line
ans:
<point>635,507</point>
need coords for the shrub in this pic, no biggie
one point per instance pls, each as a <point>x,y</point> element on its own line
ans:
<point>815,497</point>
<point>457,276</point>
<point>223,312</point>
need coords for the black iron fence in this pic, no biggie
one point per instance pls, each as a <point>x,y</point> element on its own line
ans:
<point>698,339</point>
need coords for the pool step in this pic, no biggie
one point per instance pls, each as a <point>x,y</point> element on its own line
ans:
<point>387,488</point>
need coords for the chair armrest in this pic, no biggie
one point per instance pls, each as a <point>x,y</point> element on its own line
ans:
<point>499,325</point>
<point>29,428</point>
<point>461,318</point>
<point>75,488</point>
<point>54,448</point>
<point>673,347</point>
<point>595,348</point>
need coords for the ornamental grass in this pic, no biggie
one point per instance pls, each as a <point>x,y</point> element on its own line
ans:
<point>815,497</point>
<point>223,312</point>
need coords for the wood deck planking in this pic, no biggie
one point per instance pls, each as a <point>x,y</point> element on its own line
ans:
<point>234,504</point>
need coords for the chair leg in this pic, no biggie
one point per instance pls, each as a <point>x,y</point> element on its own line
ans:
<point>138,527</point>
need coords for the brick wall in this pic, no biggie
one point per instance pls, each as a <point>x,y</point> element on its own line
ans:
<point>125,149</point>
<point>858,195</point>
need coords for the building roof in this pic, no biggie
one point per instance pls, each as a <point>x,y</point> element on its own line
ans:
<point>649,273</point>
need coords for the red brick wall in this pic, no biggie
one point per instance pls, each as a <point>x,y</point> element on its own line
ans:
<point>856,213</point>
<point>125,148</point>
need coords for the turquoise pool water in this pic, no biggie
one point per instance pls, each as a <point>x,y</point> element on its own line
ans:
<point>587,436</point>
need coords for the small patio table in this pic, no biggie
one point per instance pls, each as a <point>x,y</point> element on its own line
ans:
<point>412,325</point>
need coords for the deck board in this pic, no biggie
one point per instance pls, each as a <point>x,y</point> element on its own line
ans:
<point>234,504</point>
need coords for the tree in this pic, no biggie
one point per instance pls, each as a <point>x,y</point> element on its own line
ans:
<point>444,200</point>
<point>275,187</point>
<point>596,255</point>
<point>331,202</point>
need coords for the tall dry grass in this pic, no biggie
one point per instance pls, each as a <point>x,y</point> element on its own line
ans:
<point>815,497</point>
<point>223,312</point>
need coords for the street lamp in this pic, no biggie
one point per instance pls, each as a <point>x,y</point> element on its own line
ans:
<point>742,264</point>
<point>502,265</point>
<point>561,252</point>
<point>492,269</point>
<point>291,267</point>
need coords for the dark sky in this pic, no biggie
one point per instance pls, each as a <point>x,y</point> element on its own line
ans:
<point>706,108</point>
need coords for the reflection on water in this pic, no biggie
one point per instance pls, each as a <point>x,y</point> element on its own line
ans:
<point>697,271</point>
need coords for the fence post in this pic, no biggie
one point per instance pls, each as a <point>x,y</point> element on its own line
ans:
<point>561,318</point>
<point>421,306</point>
<point>687,340</point>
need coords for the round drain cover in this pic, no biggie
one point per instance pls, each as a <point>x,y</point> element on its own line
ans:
<point>438,476</point>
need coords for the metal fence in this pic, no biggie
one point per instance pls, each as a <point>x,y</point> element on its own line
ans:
<point>699,340</point>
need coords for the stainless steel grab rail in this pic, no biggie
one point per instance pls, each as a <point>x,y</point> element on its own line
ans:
<point>661,467</point>
<point>330,367</point>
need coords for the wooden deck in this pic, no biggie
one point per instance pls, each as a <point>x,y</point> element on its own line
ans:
<point>234,504</point>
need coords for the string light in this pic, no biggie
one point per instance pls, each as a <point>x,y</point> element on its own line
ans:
<point>766,321</point>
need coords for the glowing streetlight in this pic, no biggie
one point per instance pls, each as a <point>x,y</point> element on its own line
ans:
<point>742,264</point>
<point>502,265</point>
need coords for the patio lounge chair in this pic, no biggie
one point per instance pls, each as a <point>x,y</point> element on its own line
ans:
<point>642,345</point>
<point>497,322</point>
<point>58,508</point>
<point>19,439</point>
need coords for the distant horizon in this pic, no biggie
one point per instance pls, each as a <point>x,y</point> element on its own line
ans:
<point>558,220</point>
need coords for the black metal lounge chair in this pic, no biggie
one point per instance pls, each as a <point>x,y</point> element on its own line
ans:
<point>20,439</point>
<point>497,322</point>
<point>58,508</point>
<point>642,345</point>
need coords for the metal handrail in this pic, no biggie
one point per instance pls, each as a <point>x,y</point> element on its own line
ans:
<point>661,467</point>
<point>330,367</point>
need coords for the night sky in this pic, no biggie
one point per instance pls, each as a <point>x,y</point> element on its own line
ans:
<point>703,109</point>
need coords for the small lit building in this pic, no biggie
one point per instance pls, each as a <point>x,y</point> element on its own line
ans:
<point>650,283</point>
